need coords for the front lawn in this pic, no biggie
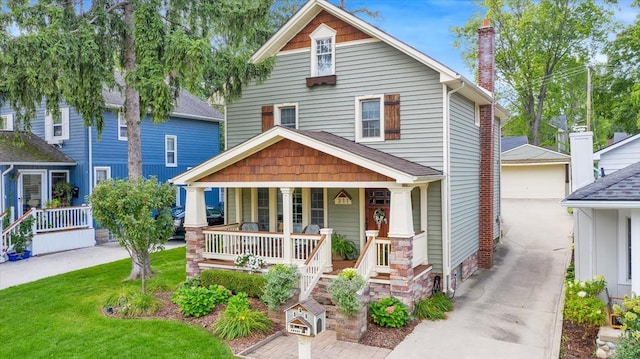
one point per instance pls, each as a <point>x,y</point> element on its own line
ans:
<point>60,317</point>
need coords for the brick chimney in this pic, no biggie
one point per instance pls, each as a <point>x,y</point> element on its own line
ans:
<point>487,146</point>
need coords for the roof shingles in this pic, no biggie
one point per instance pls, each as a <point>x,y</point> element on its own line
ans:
<point>25,147</point>
<point>622,185</point>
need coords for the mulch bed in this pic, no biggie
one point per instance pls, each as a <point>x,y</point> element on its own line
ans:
<point>388,338</point>
<point>578,341</point>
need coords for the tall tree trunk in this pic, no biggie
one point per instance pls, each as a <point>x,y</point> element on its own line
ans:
<point>132,115</point>
<point>136,268</point>
<point>132,100</point>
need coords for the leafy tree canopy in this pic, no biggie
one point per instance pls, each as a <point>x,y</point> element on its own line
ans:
<point>535,42</point>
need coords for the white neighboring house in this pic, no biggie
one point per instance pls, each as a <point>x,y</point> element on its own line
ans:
<point>618,155</point>
<point>607,217</point>
<point>530,171</point>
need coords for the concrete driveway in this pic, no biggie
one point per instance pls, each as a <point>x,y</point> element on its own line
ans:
<point>514,309</point>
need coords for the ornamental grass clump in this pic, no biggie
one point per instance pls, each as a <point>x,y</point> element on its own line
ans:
<point>128,302</point>
<point>434,307</point>
<point>582,305</point>
<point>281,281</point>
<point>238,320</point>
<point>389,312</point>
<point>344,292</point>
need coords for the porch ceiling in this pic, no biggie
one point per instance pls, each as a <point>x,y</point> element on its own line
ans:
<point>282,155</point>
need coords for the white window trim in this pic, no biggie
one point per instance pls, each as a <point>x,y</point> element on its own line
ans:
<point>276,114</point>
<point>321,32</point>
<point>476,115</point>
<point>8,118</point>
<point>51,172</point>
<point>623,263</point>
<point>48,127</point>
<point>100,168</point>
<point>175,151</point>
<point>122,122</point>
<point>358,113</point>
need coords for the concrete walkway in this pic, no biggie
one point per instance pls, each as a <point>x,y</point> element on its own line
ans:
<point>48,265</point>
<point>514,309</point>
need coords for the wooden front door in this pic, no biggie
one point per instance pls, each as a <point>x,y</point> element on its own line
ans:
<point>377,211</point>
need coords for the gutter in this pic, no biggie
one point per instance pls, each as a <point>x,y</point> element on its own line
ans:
<point>446,209</point>
<point>600,204</point>
<point>2,187</point>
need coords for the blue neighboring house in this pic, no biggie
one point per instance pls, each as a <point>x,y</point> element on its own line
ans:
<point>66,150</point>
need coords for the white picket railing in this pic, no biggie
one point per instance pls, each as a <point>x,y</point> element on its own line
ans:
<point>225,244</point>
<point>313,268</point>
<point>383,247</point>
<point>65,218</point>
<point>5,236</point>
<point>366,263</point>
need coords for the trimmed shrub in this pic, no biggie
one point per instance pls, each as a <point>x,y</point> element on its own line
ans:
<point>237,282</point>
<point>239,321</point>
<point>343,290</point>
<point>582,305</point>
<point>281,280</point>
<point>389,312</point>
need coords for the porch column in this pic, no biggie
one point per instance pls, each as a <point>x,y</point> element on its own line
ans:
<point>635,250</point>
<point>287,222</point>
<point>424,219</point>
<point>328,232</point>
<point>238,196</point>
<point>195,218</point>
<point>401,252</point>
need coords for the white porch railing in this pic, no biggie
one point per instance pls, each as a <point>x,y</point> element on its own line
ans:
<point>6,233</point>
<point>226,242</point>
<point>58,219</point>
<point>313,267</point>
<point>367,260</point>
<point>420,249</point>
<point>383,247</point>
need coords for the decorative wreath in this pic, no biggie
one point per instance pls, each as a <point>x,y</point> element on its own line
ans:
<point>379,216</point>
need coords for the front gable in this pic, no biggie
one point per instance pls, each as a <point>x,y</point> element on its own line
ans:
<point>289,161</point>
<point>344,32</point>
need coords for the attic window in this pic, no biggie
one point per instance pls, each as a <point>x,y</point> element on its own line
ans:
<point>57,128</point>
<point>122,127</point>
<point>323,59</point>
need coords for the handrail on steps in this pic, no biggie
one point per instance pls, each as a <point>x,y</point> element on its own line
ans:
<point>310,273</point>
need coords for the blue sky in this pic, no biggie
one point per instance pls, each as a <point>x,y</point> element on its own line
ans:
<point>426,24</point>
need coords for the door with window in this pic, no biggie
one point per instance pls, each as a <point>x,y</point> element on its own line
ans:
<point>377,210</point>
<point>31,189</point>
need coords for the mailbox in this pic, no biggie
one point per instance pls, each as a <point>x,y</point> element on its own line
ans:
<point>306,318</point>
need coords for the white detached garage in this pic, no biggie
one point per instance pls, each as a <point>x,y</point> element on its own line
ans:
<point>530,171</point>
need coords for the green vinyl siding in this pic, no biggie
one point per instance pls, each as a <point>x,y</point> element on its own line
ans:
<point>434,225</point>
<point>246,205</point>
<point>230,202</point>
<point>464,179</point>
<point>345,219</point>
<point>361,69</point>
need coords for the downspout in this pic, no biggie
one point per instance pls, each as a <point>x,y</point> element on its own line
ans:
<point>2,205</point>
<point>90,151</point>
<point>446,210</point>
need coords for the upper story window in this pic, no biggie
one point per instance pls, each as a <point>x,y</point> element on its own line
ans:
<point>100,174</point>
<point>6,122</point>
<point>370,118</point>
<point>122,127</point>
<point>323,50</point>
<point>171,150</point>
<point>56,128</point>
<point>286,115</point>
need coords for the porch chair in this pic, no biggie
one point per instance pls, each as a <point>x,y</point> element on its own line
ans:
<point>249,227</point>
<point>613,318</point>
<point>301,246</point>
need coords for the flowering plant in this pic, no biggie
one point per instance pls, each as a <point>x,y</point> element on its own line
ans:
<point>630,315</point>
<point>582,305</point>
<point>249,261</point>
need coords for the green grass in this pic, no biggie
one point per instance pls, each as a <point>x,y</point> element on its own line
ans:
<point>60,317</point>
